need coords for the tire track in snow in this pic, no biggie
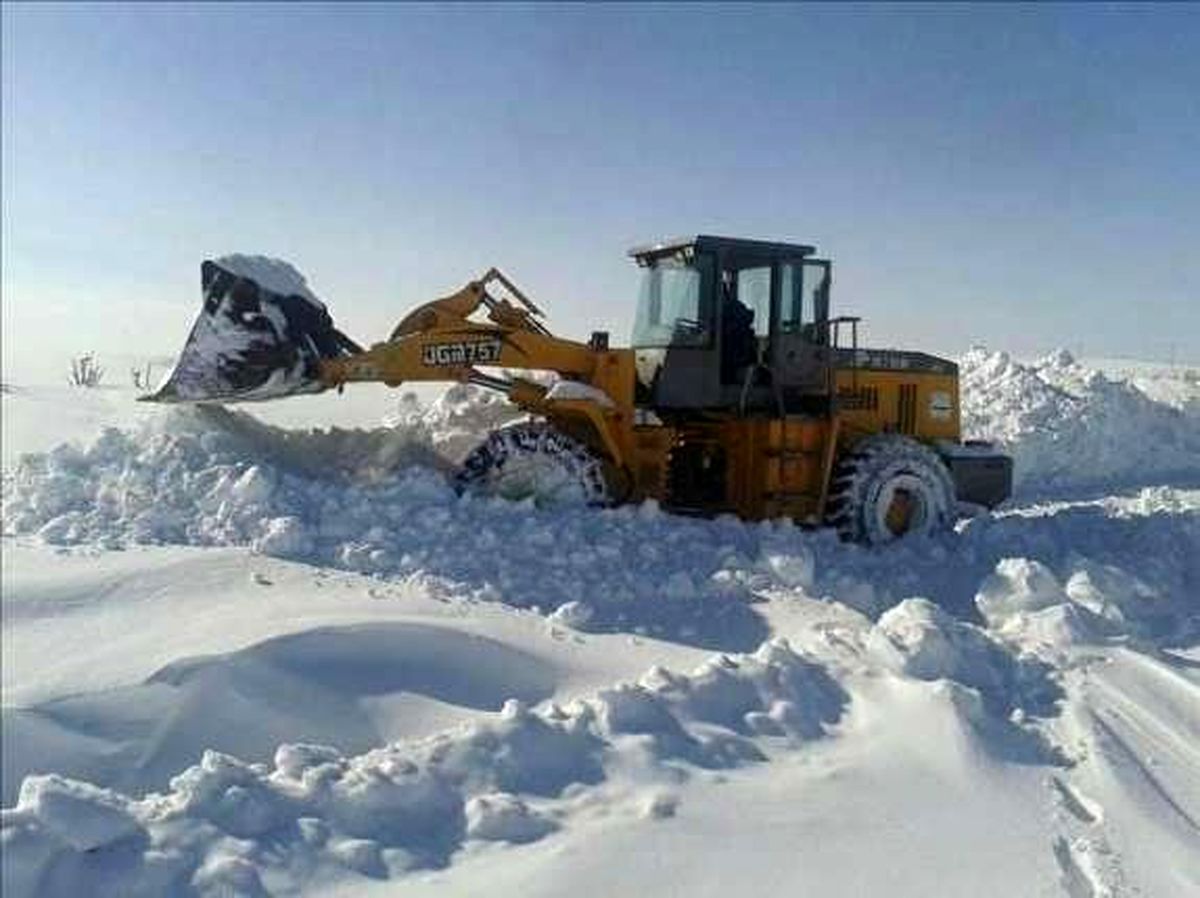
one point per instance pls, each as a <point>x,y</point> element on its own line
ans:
<point>1124,755</point>
<point>1082,809</point>
<point>1075,880</point>
<point>1088,867</point>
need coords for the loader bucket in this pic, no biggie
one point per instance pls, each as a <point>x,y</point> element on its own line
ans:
<point>250,343</point>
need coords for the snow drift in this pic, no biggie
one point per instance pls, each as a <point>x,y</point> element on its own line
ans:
<point>225,826</point>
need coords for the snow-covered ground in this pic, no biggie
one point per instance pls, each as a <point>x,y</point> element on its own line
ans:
<point>243,656</point>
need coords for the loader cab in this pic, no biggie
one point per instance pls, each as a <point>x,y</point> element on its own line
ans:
<point>725,323</point>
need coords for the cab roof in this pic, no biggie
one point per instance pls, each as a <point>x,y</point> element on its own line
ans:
<point>709,243</point>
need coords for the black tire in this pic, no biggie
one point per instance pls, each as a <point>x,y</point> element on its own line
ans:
<point>510,461</point>
<point>888,487</point>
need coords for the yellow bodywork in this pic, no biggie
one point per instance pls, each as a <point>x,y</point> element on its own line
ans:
<point>774,466</point>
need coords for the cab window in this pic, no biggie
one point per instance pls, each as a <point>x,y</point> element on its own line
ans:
<point>803,291</point>
<point>793,315</point>
<point>671,309</point>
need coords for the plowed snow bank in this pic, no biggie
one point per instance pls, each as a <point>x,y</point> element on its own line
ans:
<point>1071,427</point>
<point>374,502</point>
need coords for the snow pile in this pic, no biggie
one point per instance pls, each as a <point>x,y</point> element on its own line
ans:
<point>1128,564</point>
<point>919,639</point>
<point>372,502</point>
<point>271,274</point>
<point>376,502</point>
<point>995,694</point>
<point>228,827</point>
<point>1069,426</point>
<point>212,477</point>
<point>1175,385</point>
<point>456,421</point>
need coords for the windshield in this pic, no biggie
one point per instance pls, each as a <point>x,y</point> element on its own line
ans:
<point>669,309</point>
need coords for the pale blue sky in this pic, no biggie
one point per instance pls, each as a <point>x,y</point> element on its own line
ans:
<point>1024,176</point>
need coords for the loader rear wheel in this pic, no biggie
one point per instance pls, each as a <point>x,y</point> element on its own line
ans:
<point>533,460</point>
<point>890,486</point>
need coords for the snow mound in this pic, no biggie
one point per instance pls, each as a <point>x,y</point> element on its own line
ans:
<point>919,639</point>
<point>1127,564</point>
<point>1071,427</point>
<point>225,826</point>
<point>328,684</point>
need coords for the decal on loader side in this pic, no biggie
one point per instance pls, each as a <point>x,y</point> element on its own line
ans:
<point>459,353</point>
<point>940,405</point>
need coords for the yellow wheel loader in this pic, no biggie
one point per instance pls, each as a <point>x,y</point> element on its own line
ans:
<point>740,394</point>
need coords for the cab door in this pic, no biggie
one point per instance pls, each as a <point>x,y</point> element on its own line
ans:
<point>800,347</point>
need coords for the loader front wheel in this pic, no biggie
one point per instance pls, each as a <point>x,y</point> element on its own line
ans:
<point>533,460</point>
<point>890,486</point>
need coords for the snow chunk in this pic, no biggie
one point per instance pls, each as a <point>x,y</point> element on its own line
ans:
<point>573,389</point>
<point>295,761</point>
<point>572,614</point>
<point>361,855</point>
<point>660,806</point>
<point>499,817</point>
<point>80,814</point>
<point>229,875</point>
<point>1048,633</point>
<point>254,487</point>
<point>793,570</point>
<point>921,640</point>
<point>1018,585</point>
<point>284,537</point>
<point>1120,598</point>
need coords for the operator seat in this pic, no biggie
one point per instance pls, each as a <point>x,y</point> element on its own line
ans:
<point>739,348</point>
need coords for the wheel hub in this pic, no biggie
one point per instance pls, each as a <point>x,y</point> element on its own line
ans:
<point>899,515</point>
<point>901,507</point>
